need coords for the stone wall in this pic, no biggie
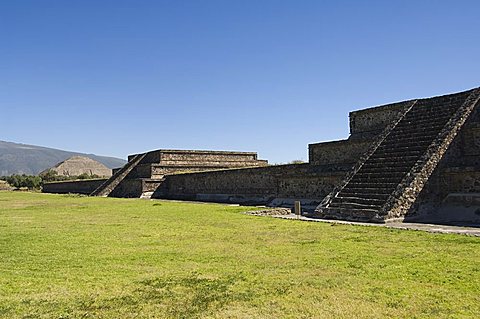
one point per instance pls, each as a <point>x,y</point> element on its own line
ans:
<point>365,125</point>
<point>371,121</point>
<point>157,171</point>
<point>173,156</point>
<point>128,188</point>
<point>76,187</point>
<point>275,185</point>
<point>448,198</point>
<point>337,152</point>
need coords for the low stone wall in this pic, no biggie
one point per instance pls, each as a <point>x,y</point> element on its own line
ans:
<point>77,187</point>
<point>466,180</point>
<point>160,170</point>
<point>208,156</point>
<point>159,156</point>
<point>275,185</point>
<point>451,196</point>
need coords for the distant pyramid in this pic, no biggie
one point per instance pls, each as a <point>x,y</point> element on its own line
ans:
<point>78,165</point>
<point>4,186</point>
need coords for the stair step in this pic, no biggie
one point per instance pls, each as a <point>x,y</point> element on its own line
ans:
<point>400,135</point>
<point>404,146</point>
<point>407,130</point>
<point>397,169</point>
<point>365,214</point>
<point>399,152</point>
<point>425,106</point>
<point>400,155</point>
<point>395,144</point>
<point>432,112</point>
<point>358,200</point>
<point>412,127</point>
<point>363,195</point>
<point>447,102</point>
<point>423,121</point>
<point>415,113</point>
<point>389,177</point>
<point>379,177</point>
<point>385,181</point>
<point>399,143</point>
<point>370,185</point>
<point>408,139</point>
<point>413,124</point>
<point>389,163</point>
<point>354,205</point>
<point>360,189</point>
<point>378,160</point>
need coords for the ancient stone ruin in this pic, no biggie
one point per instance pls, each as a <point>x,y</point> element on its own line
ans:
<point>143,173</point>
<point>415,160</point>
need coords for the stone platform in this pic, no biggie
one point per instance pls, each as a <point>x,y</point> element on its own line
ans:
<point>431,228</point>
<point>401,161</point>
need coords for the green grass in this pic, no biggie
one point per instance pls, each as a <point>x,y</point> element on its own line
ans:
<point>78,257</point>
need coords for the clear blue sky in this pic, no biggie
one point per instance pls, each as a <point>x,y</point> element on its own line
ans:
<point>120,77</point>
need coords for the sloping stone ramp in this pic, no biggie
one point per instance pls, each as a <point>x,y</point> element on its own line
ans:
<point>109,185</point>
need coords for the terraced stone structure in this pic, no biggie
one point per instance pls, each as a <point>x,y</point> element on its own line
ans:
<point>389,178</point>
<point>417,160</point>
<point>143,173</point>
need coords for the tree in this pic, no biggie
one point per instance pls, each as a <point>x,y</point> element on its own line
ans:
<point>49,176</point>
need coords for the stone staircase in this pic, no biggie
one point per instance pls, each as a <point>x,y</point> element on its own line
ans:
<point>109,185</point>
<point>396,170</point>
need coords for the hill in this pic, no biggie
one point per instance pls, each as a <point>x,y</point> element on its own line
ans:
<point>18,158</point>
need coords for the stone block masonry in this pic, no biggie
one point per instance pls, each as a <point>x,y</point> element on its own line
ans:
<point>76,187</point>
<point>400,160</point>
<point>383,166</point>
<point>147,170</point>
<point>277,185</point>
<point>387,182</point>
<point>457,177</point>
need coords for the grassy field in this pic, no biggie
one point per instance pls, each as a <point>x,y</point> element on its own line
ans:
<point>78,257</point>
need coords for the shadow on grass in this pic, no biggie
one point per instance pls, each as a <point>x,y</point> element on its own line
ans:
<point>193,295</point>
<point>175,297</point>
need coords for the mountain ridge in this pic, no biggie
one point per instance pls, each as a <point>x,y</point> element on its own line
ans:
<point>18,158</point>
